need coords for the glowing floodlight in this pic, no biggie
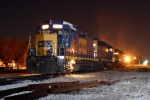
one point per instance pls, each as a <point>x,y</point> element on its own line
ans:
<point>127,59</point>
<point>134,58</point>
<point>145,62</point>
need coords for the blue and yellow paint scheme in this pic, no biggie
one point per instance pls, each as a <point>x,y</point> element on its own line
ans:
<point>45,42</point>
<point>62,47</point>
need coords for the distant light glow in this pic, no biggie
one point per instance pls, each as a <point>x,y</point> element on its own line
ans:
<point>127,58</point>
<point>1,62</point>
<point>116,53</point>
<point>45,26</point>
<point>106,50</point>
<point>145,62</point>
<point>94,44</point>
<point>59,26</point>
<point>77,76</point>
<point>134,58</point>
<point>14,64</point>
<point>110,49</point>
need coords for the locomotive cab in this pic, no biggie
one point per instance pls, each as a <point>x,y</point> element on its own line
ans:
<point>51,41</point>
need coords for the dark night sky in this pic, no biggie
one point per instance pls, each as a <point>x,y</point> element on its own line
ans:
<point>125,24</point>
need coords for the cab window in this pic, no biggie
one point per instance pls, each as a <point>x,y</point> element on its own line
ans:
<point>66,34</point>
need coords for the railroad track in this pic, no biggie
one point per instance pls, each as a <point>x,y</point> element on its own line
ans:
<point>40,90</point>
<point>133,69</point>
<point>17,79</point>
<point>12,80</point>
<point>13,71</point>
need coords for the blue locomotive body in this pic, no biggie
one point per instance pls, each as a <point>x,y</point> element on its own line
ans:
<point>61,47</point>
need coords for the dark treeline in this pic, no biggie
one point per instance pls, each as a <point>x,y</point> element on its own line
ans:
<point>12,49</point>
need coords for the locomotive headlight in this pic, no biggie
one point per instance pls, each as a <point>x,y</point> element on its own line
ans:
<point>58,26</point>
<point>45,26</point>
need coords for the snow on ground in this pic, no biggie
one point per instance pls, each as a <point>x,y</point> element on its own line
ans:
<point>131,86</point>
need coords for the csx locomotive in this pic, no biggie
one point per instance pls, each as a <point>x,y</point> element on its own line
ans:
<point>61,47</point>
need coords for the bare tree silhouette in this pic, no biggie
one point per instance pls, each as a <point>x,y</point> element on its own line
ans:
<point>12,49</point>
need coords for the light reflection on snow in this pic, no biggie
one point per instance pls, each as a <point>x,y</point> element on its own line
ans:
<point>132,86</point>
<point>81,76</point>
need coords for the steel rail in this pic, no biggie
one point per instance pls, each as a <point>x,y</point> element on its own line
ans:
<point>26,96</point>
<point>11,91</point>
<point>46,86</point>
<point>54,90</point>
<point>40,90</point>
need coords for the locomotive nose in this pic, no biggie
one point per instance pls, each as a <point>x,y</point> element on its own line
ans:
<point>49,52</point>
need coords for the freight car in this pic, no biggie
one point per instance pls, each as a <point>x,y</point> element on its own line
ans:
<point>61,47</point>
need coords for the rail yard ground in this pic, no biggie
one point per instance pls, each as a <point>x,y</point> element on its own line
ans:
<point>127,85</point>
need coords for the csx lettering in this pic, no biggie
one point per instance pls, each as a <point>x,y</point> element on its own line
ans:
<point>44,43</point>
<point>41,44</point>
